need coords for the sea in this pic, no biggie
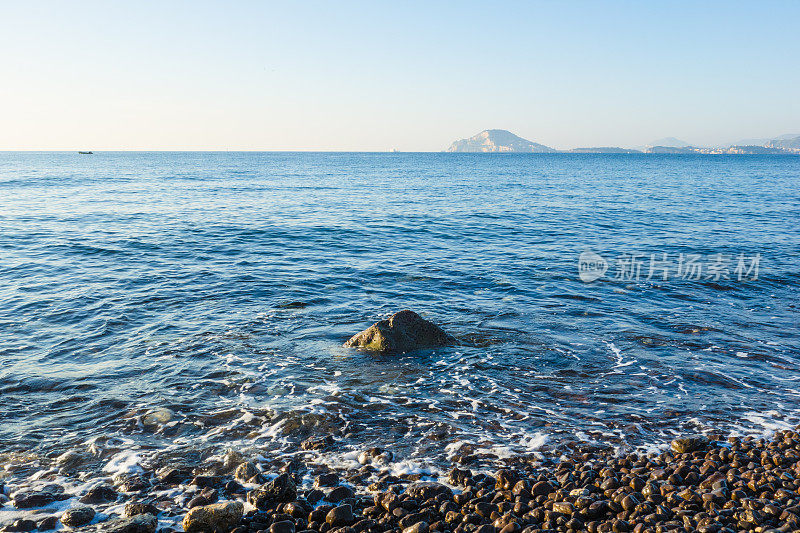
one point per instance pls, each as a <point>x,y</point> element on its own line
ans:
<point>193,303</point>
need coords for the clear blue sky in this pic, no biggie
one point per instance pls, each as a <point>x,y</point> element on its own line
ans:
<point>380,75</point>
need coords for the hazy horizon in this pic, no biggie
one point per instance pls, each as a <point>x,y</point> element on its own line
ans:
<point>374,77</point>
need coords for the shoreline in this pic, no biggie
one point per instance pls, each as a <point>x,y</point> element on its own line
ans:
<point>735,484</point>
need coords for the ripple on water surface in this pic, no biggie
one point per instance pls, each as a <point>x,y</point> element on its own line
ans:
<point>173,304</point>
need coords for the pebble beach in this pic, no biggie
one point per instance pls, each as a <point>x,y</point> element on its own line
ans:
<point>697,484</point>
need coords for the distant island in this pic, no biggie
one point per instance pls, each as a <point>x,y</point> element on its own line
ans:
<point>499,141</point>
<point>503,141</point>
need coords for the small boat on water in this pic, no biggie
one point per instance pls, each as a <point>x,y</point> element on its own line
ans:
<point>85,152</point>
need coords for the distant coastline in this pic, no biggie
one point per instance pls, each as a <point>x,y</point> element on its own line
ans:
<point>503,141</point>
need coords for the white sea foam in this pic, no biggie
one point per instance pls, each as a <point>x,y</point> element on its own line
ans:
<point>125,462</point>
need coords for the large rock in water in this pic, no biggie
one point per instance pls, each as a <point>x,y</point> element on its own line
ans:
<point>402,332</point>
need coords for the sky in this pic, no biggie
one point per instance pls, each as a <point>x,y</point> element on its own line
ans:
<point>379,75</point>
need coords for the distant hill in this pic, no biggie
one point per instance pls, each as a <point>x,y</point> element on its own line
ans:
<point>784,142</point>
<point>661,149</point>
<point>736,150</point>
<point>669,142</point>
<point>756,150</point>
<point>505,141</point>
<point>499,141</point>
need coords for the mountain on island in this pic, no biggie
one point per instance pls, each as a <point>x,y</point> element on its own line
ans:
<point>499,141</point>
<point>669,142</point>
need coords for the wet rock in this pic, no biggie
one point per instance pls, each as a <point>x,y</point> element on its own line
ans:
<point>284,526</point>
<point>245,471</point>
<point>458,477</point>
<point>282,489</point>
<point>157,417</point>
<point>207,496</point>
<point>424,490</point>
<point>419,527</point>
<point>232,459</point>
<point>218,517</point>
<point>340,516</point>
<point>313,496</point>
<point>326,480</point>
<point>206,481</point>
<point>29,500</point>
<point>542,488</point>
<point>70,460</point>
<point>77,516</point>
<point>340,493</point>
<point>137,508</point>
<point>317,443</point>
<point>143,523</point>
<point>47,523</point>
<point>378,455</point>
<point>689,444</point>
<point>402,332</point>
<point>506,478</point>
<point>564,508</point>
<point>99,494</point>
<point>298,509</point>
<point>20,525</point>
<point>131,483</point>
<point>173,476</point>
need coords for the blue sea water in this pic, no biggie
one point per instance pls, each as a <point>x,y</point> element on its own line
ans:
<point>193,301</point>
